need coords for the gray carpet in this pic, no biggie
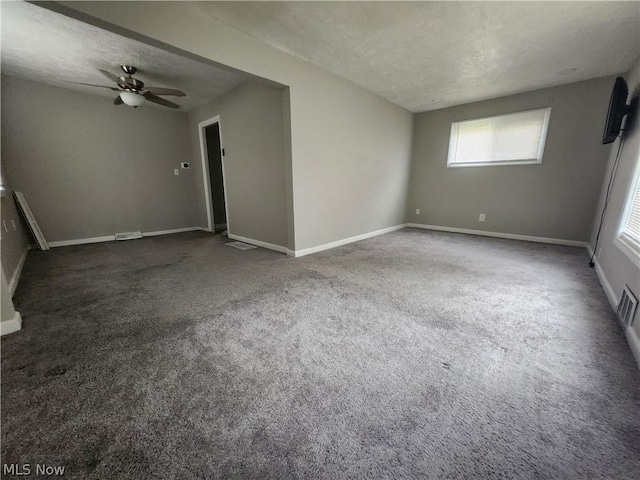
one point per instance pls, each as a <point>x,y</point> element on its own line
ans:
<point>410,355</point>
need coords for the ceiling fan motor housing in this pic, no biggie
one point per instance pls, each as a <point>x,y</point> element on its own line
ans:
<point>130,83</point>
<point>128,69</point>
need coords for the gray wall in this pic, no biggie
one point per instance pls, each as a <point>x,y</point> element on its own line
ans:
<point>350,149</point>
<point>89,168</point>
<point>556,199</point>
<point>252,133</point>
<point>617,267</point>
<point>351,167</point>
<point>16,240</point>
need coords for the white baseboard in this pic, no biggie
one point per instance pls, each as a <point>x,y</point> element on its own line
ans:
<point>169,232</point>
<point>11,326</point>
<point>339,243</point>
<point>82,241</point>
<point>258,243</point>
<point>604,282</point>
<point>15,278</point>
<point>111,238</point>
<point>510,236</point>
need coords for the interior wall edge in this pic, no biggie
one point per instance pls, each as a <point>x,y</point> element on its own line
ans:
<point>15,276</point>
<point>11,326</point>
<point>10,319</point>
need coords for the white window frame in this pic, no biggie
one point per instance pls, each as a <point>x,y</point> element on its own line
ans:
<point>627,244</point>
<point>538,160</point>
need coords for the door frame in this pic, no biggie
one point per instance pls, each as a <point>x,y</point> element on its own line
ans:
<point>204,155</point>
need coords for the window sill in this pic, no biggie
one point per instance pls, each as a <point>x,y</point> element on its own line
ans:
<point>630,248</point>
<point>495,164</point>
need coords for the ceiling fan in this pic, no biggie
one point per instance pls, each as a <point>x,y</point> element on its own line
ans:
<point>133,92</point>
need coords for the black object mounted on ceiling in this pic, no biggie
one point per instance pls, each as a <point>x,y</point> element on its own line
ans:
<point>618,109</point>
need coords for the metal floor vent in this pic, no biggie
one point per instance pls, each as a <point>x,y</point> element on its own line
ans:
<point>128,235</point>
<point>241,246</point>
<point>627,307</point>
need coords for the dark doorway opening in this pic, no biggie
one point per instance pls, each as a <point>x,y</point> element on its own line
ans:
<point>216,179</point>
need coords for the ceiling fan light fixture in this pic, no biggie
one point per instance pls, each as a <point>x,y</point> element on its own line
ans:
<point>132,99</point>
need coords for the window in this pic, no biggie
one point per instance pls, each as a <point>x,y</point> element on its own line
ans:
<point>629,234</point>
<point>514,139</point>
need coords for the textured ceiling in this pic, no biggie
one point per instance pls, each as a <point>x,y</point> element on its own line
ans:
<point>43,46</point>
<point>428,55</point>
<point>420,55</point>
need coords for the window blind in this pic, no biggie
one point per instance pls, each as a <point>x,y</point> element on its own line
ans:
<point>516,138</point>
<point>632,227</point>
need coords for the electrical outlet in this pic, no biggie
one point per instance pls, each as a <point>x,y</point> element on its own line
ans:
<point>176,171</point>
<point>482,217</point>
<point>417,211</point>
<point>5,226</point>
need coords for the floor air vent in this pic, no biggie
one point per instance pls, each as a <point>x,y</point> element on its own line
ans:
<point>128,235</point>
<point>241,246</point>
<point>627,307</point>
